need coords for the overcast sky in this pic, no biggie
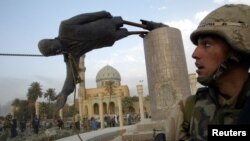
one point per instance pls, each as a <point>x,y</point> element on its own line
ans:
<point>24,22</point>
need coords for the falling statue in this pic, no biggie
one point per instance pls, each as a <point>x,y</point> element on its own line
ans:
<point>81,34</point>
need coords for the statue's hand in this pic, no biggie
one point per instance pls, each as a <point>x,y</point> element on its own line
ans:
<point>150,25</point>
<point>85,32</point>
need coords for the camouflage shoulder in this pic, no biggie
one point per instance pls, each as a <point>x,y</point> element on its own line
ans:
<point>202,91</point>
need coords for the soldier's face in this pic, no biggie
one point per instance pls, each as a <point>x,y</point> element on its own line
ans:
<point>210,52</point>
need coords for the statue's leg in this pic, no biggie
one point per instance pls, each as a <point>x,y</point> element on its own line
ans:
<point>60,101</point>
<point>69,84</point>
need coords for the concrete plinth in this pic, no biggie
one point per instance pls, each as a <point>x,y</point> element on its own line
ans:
<point>167,73</point>
<point>143,131</point>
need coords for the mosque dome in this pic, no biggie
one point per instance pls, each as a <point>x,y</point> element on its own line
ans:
<point>107,73</point>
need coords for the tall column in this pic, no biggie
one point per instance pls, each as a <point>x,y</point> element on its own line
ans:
<point>37,108</point>
<point>101,110</point>
<point>119,99</point>
<point>140,95</point>
<point>166,70</point>
<point>80,107</point>
<point>91,109</point>
<point>61,114</point>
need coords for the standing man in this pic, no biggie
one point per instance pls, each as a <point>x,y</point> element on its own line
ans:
<point>222,58</point>
<point>36,124</point>
<point>13,126</point>
<point>23,123</point>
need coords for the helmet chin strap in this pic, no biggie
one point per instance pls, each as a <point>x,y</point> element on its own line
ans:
<point>210,80</point>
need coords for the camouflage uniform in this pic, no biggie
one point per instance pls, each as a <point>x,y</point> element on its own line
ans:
<point>211,108</point>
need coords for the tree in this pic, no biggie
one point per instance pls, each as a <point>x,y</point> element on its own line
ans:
<point>109,88</point>
<point>15,105</point>
<point>23,111</point>
<point>16,102</point>
<point>135,98</point>
<point>50,94</point>
<point>34,92</point>
<point>43,109</point>
<point>69,111</point>
<point>127,103</point>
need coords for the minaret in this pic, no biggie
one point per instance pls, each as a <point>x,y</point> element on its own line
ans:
<point>140,95</point>
<point>81,92</point>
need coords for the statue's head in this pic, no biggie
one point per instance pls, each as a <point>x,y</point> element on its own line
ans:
<point>50,47</point>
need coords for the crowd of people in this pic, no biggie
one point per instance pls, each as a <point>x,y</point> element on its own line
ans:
<point>11,127</point>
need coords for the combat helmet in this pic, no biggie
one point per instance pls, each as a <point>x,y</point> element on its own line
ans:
<point>231,22</point>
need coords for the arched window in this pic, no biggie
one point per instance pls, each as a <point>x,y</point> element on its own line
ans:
<point>105,108</point>
<point>96,109</point>
<point>86,110</point>
<point>112,107</point>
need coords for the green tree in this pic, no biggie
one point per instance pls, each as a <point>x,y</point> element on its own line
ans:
<point>68,111</point>
<point>127,103</point>
<point>43,109</point>
<point>109,88</point>
<point>34,92</point>
<point>135,98</point>
<point>23,110</point>
<point>15,105</point>
<point>50,95</point>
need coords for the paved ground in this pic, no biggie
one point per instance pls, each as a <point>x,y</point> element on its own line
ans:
<point>99,135</point>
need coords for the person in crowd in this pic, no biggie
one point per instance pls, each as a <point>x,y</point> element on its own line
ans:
<point>36,124</point>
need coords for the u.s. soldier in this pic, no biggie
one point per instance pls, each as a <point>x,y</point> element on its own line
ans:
<point>222,59</point>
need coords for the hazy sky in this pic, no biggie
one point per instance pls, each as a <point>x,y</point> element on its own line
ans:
<point>24,22</point>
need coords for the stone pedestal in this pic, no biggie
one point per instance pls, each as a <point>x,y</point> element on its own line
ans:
<point>166,70</point>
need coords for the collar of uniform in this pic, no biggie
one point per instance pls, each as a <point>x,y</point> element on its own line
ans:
<point>227,102</point>
<point>244,93</point>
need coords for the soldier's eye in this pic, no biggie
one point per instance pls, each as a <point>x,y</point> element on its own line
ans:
<point>207,45</point>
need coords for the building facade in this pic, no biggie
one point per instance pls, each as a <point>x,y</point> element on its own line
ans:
<point>106,98</point>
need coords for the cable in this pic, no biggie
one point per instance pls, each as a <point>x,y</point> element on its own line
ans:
<point>21,55</point>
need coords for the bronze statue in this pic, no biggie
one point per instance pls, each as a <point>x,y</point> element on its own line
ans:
<point>81,34</point>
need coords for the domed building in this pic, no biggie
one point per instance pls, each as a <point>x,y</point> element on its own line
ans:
<point>107,74</point>
<point>106,98</point>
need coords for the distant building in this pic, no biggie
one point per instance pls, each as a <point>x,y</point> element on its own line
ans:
<point>89,98</point>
